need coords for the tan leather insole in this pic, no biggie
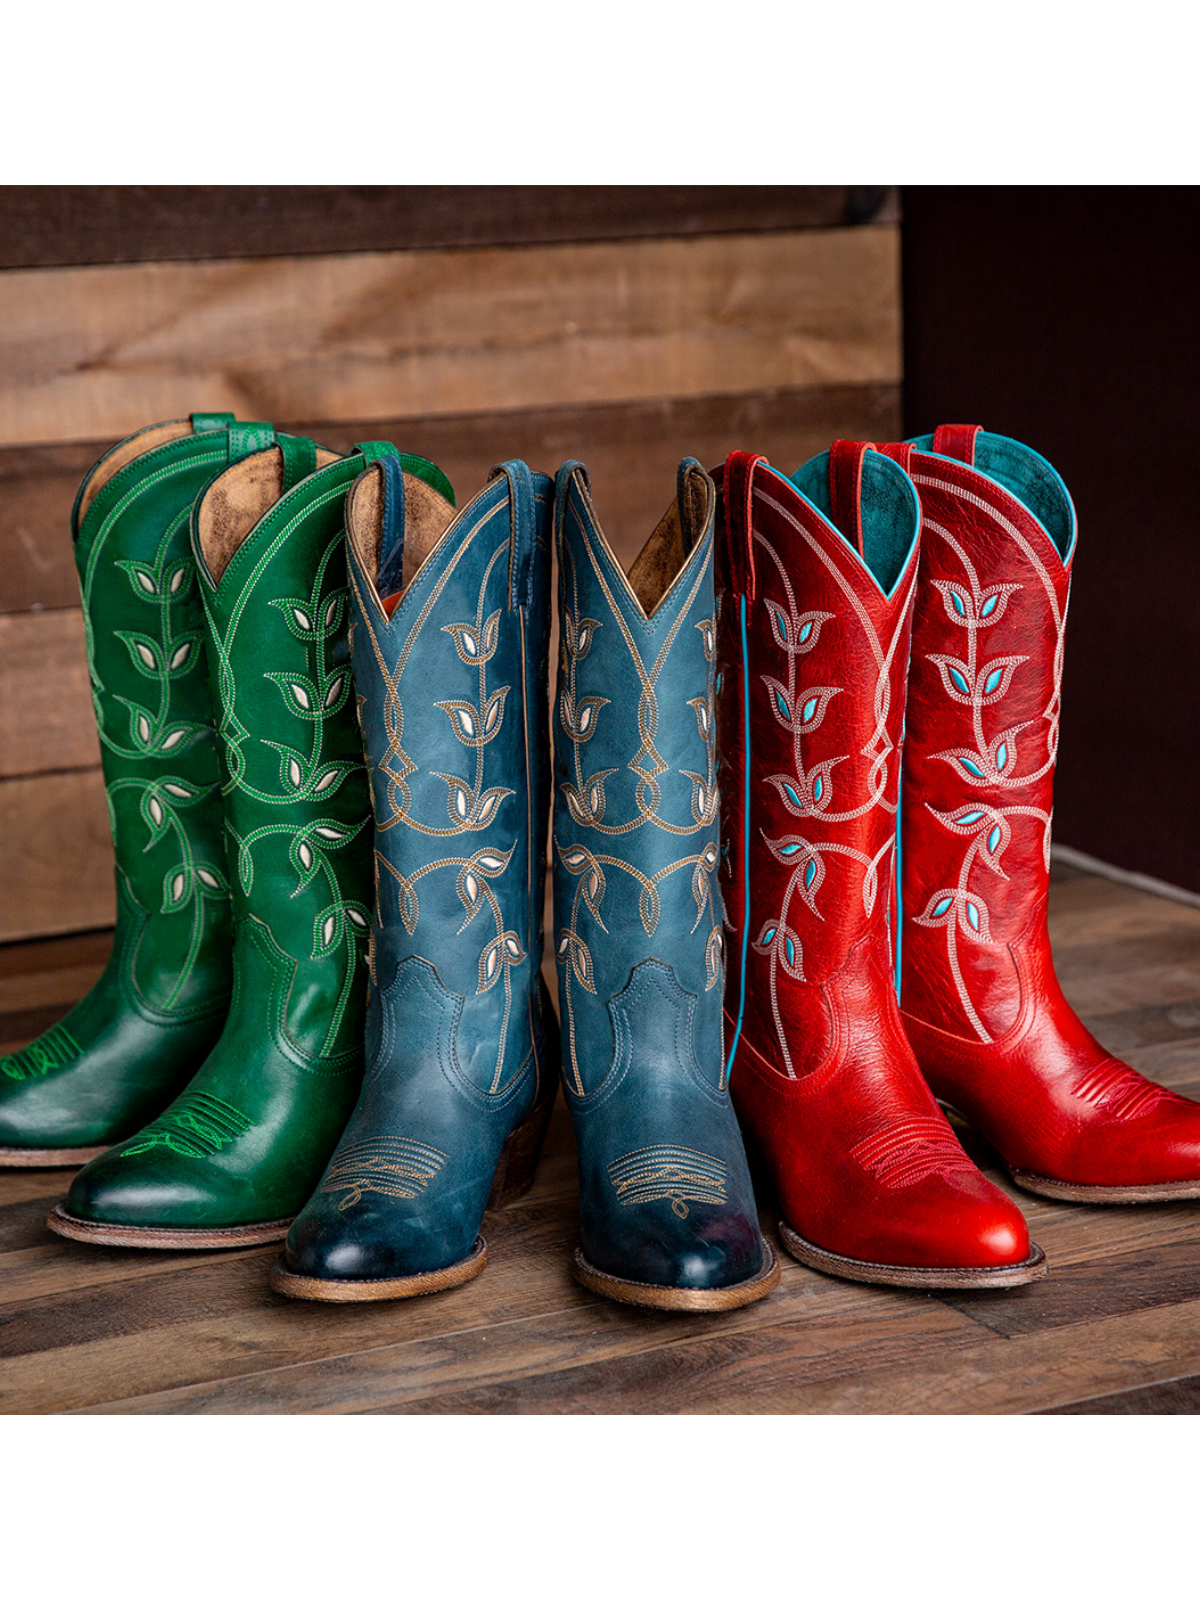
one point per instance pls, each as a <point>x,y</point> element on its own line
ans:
<point>238,500</point>
<point>122,454</point>
<point>664,553</point>
<point>427,515</point>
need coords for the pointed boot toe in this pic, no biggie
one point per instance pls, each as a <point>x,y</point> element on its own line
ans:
<point>156,1199</point>
<point>713,1254</point>
<point>371,1257</point>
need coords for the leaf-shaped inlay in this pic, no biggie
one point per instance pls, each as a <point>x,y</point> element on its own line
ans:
<point>466,641</point>
<point>780,702</point>
<point>463,719</point>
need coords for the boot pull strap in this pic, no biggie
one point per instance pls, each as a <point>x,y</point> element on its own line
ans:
<point>685,491</point>
<point>845,487</point>
<point>248,438</point>
<point>389,577</point>
<point>299,458</point>
<point>210,421</point>
<point>957,439</point>
<point>739,521</point>
<point>562,485</point>
<point>523,531</point>
<point>900,453</point>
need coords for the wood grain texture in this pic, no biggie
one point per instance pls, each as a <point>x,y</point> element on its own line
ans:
<point>1115,1327</point>
<point>632,450</point>
<point>91,352</point>
<point>46,721</point>
<point>75,224</point>
<point>56,867</point>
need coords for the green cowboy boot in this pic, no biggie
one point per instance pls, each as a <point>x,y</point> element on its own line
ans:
<point>130,1045</point>
<point>235,1156</point>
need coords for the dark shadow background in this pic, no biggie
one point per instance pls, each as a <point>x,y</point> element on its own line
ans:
<point>1069,318</point>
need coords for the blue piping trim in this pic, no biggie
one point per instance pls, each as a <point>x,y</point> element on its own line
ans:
<point>899,869</point>
<point>745,839</point>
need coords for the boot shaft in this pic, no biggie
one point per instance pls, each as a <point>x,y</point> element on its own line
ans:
<point>636,832</point>
<point>984,701</point>
<point>268,538</point>
<point>817,578</point>
<point>451,620</point>
<point>144,633</point>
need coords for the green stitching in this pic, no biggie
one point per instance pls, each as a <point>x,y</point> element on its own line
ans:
<point>197,1125</point>
<point>56,1048</point>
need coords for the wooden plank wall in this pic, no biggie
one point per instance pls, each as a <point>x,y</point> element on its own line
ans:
<point>624,327</point>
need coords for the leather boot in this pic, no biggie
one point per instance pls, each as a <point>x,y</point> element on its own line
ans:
<point>451,619</point>
<point>817,603</point>
<point>982,1005</point>
<point>131,1043</point>
<point>667,1210</point>
<point>233,1157</point>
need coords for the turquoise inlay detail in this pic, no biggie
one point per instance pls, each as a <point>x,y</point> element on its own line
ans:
<point>959,682</point>
<point>1002,757</point>
<point>989,605</point>
<point>898,879</point>
<point>943,905</point>
<point>788,849</point>
<point>783,707</point>
<point>737,1032</point>
<point>971,767</point>
<point>791,950</point>
<point>810,873</point>
<point>792,795</point>
<point>805,631</point>
<point>956,602</point>
<point>993,680</point>
<point>818,788</point>
<point>768,936</point>
<point>969,817</point>
<point>780,627</point>
<point>993,840</point>
<point>973,915</point>
<point>809,709</point>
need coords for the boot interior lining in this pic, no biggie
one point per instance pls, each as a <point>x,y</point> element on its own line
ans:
<point>121,455</point>
<point>665,552</point>
<point>427,515</point>
<point>238,500</point>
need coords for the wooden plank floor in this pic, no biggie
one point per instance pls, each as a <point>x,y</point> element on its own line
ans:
<point>1115,1328</point>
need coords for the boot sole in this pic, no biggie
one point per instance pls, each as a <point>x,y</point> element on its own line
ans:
<point>298,1286</point>
<point>827,1261</point>
<point>79,1156</point>
<point>659,1297</point>
<point>61,1221</point>
<point>1105,1194</point>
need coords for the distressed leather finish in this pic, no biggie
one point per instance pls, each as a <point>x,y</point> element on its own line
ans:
<point>982,1005</point>
<point>247,1139</point>
<point>130,1044</point>
<point>665,1193</point>
<point>814,634</point>
<point>451,679</point>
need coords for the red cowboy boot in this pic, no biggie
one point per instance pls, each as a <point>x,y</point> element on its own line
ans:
<point>814,630</point>
<point>982,1006</point>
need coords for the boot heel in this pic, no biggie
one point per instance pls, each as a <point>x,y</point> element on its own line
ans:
<point>517,1167</point>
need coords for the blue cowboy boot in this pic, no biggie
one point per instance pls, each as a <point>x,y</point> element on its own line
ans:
<point>451,620</point>
<point>667,1209</point>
